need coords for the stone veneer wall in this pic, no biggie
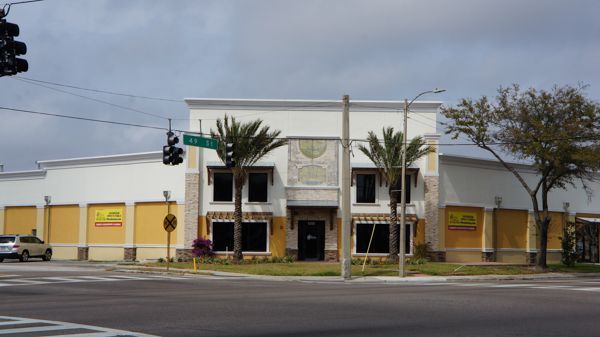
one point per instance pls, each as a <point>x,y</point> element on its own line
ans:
<point>331,231</point>
<point>432,228</point>
<point>192,208</point>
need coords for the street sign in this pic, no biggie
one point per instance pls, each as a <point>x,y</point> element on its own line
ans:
<point>170,223</point>
<point>198,141</point>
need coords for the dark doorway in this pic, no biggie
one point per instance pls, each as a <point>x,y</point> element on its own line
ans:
<point>311,240</point>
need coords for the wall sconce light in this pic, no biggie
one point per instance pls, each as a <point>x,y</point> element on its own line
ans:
<point>47,199</point>
<point>498,201</point>
<point>167,195</point>
<point>566,205</point>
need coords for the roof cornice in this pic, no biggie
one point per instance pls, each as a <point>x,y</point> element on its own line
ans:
<point>129,158</point>
<point>491,164</point>
<point>23,175</point>
<point>304,105</point>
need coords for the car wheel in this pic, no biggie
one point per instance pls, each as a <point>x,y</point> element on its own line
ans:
<point>24,256</point>
<point>48,255</point>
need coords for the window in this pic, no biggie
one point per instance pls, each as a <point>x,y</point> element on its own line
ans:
<point>254,236</point>
<point>223,186</point>
<point>380,243</point>
<point>365,188</point>
<point>257,187</point>
<point>398,188</point>
<point>7,239</point>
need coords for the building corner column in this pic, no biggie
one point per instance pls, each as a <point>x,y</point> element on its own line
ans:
<point>129,251</point>
<point>532,238</point>
<point>82,246</point>
<point>431,180</point>
<point>487,236</point>
<point>40,221</point>
<point>191,214</point>
<point>2,220</point>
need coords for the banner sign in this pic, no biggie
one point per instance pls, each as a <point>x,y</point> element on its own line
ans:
<point>462,221</point>
<point>110,217</point>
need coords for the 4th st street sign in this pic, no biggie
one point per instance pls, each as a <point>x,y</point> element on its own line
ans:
<point>198,141</point>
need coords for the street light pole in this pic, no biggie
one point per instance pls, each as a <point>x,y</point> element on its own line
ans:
<point>403,181</point>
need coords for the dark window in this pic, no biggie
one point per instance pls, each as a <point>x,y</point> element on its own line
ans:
<point>254,236</point>
<point>223,186</point>
<point>398,189</point>
<point>257,187</point>
<point>380,243</point>
<point>7,239</point>
<point>25,239</point>
<point>365,188</point>
<point>35,240</point>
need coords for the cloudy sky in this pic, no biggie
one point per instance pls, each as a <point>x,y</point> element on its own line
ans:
<point>372,50</point>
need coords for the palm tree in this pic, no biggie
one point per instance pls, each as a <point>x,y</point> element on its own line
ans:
<point>387,157</point>
<point>251,143</point>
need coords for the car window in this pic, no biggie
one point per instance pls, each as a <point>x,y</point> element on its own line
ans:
<point>7,239</point>
<point>35,240</point>
<point>24,239</point>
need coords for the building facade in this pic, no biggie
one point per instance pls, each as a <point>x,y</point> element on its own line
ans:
<point>465,209</point>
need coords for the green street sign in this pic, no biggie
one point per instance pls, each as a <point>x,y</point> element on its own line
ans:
<point>198,141</point>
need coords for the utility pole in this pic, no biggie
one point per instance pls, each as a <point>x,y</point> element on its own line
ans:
<point>403,195</point>
<point>346,258</point>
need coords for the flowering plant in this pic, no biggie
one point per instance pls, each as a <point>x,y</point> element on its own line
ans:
<point>202,248</point>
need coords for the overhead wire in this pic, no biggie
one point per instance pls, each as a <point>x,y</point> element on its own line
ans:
<point>83,118</point>
<point>93,99</point>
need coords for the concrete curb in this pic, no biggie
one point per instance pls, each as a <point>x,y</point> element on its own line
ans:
<point>356,279</point>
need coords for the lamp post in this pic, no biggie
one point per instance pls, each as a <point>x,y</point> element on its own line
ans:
<point>48,200</point>
<point>403,180</point>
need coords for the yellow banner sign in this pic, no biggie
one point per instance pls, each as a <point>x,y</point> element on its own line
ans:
<point>110,217</point>
<point>465,221</point>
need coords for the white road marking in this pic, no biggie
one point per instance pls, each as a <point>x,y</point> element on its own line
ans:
<point>5,275</point>
<point>63,328</point>
<point>83,278</point>
<point>509,285</point>
<point>551,285</point>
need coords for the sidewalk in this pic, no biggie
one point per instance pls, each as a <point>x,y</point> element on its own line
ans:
<point>354,279</point>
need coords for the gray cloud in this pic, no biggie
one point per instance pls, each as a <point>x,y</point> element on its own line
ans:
<point>275,49</point>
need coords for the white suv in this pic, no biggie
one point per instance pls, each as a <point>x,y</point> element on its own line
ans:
<point>23,247</point>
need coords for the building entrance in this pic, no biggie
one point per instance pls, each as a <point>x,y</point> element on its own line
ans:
<point>311,240</point>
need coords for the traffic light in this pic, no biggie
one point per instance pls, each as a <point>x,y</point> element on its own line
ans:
<point>229,161</point>
<point>172,155</point>
<point>10,64</point>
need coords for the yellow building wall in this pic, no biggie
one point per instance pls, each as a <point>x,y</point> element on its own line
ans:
<point>202,227</point>
<point>153,253</point>
<point>64,253</point>
<point>64,224</point>
<point>277,239</point>
<point>555,230</point>
<point>464,238</point>
<point>104,235</point>
<point>149,217</point>
<point>457,256</point>
<point>106,254</point>
<point>511,257</point>
<point>20,220</point>
<point>511,229</point>
<point>419,233</point>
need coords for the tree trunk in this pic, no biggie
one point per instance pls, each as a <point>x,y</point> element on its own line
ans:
<point>237,225</point>
<point>543,226</point>
<point>393,254</point>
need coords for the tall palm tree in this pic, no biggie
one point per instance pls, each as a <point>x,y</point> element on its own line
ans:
<point>387,157</point>
<point>251,142</point>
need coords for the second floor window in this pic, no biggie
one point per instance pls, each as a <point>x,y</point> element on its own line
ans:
<point>257,187</point>
<point>223,186</point>
<point>365,188</point>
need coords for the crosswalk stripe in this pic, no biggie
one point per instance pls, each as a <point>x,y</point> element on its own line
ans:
<point>36,329</point>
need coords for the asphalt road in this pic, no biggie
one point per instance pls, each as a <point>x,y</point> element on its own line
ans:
<point>209,306</point>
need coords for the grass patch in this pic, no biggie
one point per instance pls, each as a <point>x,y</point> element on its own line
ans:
<point>333,269</point>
